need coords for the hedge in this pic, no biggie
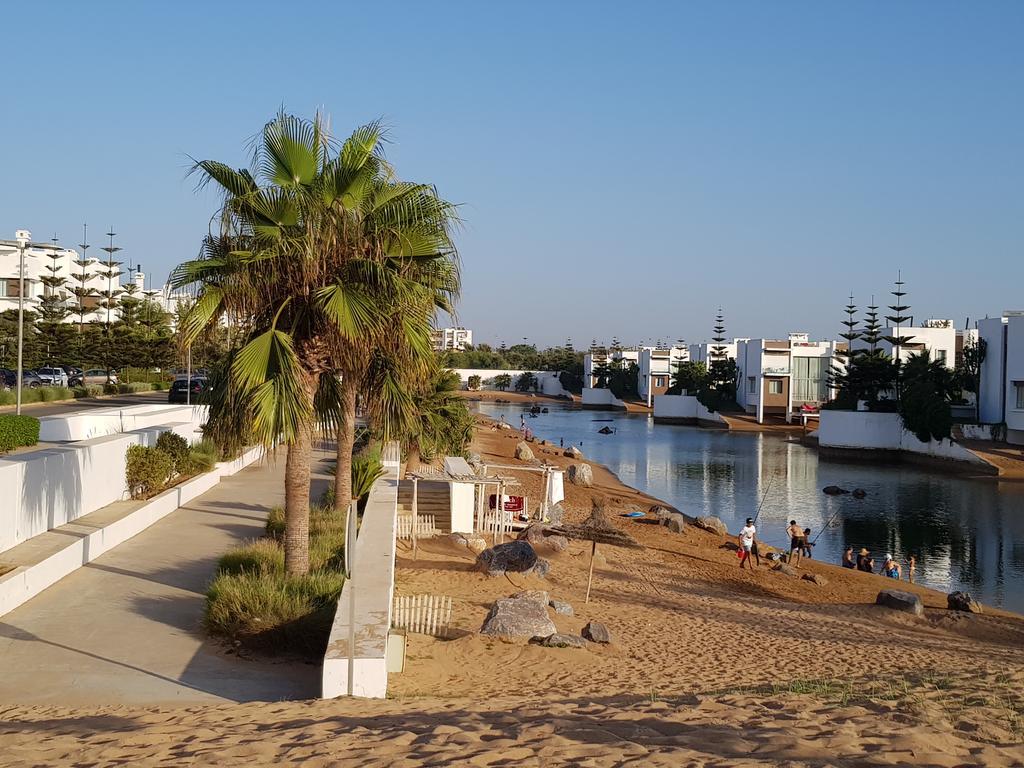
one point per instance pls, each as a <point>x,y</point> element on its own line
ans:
<point>18,431</point>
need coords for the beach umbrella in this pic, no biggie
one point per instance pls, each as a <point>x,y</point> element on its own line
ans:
<point>597,529</point>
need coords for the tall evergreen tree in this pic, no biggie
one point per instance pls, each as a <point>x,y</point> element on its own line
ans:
<point>80,285</point>
<point>110,273</point>
<point>55,336</point>
<point>718,349</point>
<point>899,316</point>
<point>872,333</point>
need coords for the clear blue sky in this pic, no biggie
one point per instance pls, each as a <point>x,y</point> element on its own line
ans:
<point>623,168</point>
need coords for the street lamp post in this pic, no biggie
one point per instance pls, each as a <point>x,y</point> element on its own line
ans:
<point>23,236</point>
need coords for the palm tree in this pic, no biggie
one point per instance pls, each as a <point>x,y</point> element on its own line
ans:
<point>438,422</point>
<point>322,259</point>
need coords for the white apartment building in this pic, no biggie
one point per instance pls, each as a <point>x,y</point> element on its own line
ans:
<point>778,377</point>
<point>702,353</point>
<point>597,359</point>
<point>1001,399</point>
<point>39,257</point>
<point>451,339</point>
<point>939,337</point>
<point>656,368</point>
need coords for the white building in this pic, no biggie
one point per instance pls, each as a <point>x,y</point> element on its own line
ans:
<point>778,377</point>
<point>938,337</point>
<point>451,339</point>
<point>1001,399</point>
<point>45,260</point>
<point>597,359</point>
<point>656,369</point>
<point>703,352</point>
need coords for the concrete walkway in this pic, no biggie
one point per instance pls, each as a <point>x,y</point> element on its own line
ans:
<point>125,628</point>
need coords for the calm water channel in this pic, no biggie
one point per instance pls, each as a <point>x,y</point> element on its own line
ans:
<point>966,534</point>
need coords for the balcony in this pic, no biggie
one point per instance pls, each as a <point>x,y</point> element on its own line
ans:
<point>775,370</point>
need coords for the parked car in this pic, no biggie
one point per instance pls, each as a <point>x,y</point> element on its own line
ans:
<point>72,372</point>
<point>53,377</point>
<point>180,374</point>
<point>95,376</point>
<point>29,379</point>
<point>179,391</point>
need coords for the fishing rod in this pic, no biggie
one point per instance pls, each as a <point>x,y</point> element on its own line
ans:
<point>765,496</point>
<point>827,525</point>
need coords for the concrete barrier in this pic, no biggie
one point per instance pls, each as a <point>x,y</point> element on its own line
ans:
<point>373,589</point>
<point>85,542</point>
<point>601,399</point>
<point>96,422</point>
<point>684,409</point>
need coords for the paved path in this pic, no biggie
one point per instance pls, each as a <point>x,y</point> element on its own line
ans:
<point>125,628</point>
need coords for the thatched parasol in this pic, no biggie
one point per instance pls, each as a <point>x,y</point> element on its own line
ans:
<point>597,529</point>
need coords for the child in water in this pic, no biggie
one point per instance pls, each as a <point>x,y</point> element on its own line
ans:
<point>912,568</point>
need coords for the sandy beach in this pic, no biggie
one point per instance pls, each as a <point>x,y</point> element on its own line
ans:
<point>708,665</point>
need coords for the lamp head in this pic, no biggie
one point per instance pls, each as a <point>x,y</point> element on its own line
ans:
<point>23,236</point>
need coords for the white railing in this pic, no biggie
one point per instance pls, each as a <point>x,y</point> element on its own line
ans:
<point>426,526</point>
<point>423,614</point>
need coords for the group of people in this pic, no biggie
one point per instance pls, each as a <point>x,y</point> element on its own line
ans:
<point>800,546</point>
<point>866,563</point>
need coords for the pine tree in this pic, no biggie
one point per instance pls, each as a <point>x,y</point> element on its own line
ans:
<point>110,273</point>
<point>851,334</point>
<point>872,333</point>
<point>718,349</point>
<point>568,345</point>
<point>53,310</point>
<point>898,317</point>
<point>81,278</point>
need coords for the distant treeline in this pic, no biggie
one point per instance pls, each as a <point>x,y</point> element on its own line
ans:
<point>521,357</point>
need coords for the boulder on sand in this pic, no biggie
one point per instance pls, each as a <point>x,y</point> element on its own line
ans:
<point>676,523</point>
<point>581,474</point>
<point>539,595</point>
<point>561,607</point>
<point>555,514</point>
<point>573,452</point>
<point>713,524</point>
<point>524,452</point>
<point>962,601</point>
<point>660,513</point>
<point>786,570</point>
<point>512,557</point>
<point>900,601</point>
<point>561,640</point>
<point>597,632</point>
<point>516,618</point>
<point>815,578</point>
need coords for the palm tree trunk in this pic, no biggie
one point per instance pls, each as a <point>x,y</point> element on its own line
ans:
<point>412,461</point>
<point>346,439</point>
<point>296,502</point>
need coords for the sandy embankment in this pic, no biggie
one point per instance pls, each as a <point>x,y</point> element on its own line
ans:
<point>694,638</point>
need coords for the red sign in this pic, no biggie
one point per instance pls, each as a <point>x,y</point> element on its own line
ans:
<point>512,503</point>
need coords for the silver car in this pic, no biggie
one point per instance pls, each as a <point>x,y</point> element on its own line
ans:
<point>53,377</point>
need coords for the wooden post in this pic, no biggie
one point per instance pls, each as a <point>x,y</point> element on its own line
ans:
<point>590,575</point>
<point>415,516</point>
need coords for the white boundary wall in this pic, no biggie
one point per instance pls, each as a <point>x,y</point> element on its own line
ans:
<point>547,381</point>
<point>863,430</point>
<point>48,488</point>
<point>594,397</point>
<point>96,422</point>
<point>373,589</point>
<point>683,409</point>
<point>25,582</point>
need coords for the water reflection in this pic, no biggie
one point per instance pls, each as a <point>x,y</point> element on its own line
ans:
<point>965,533</point>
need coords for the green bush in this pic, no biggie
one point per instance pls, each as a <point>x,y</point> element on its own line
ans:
<point>52,394</point>
<point>18,431</point>
<point>274,612</point>
<point>160,386</point>
<point>366,470</point>
<point>259,556</point>
<point>204,455</point>
<point>88,390</point>
<point>148,470</point>
<point>176,447</point>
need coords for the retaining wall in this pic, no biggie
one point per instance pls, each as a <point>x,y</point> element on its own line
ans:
<point>601,399</point>
<point>684,409</point>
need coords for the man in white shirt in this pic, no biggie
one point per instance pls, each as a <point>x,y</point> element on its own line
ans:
<point>746,541</point>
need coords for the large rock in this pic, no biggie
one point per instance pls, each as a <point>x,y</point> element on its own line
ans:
<point>581,474</point>
<point>660,513</point>
<point>573,452</point>
<point>540,568</point>
<point>524,452</point>
<point>786,570</point>
<point>597,632</point>
<point>561,640</point>
<point>512,556</point>
<point>962,601</point>
<point>713,524</point>
<point>538,537</point>
<point>859,493</point>
<point>561,607</point>
<point>833,490</point>
<point>518,618</point>
<point>815,578</point>
<point>676,523</point>
<point>556,513</point>
<point>900,601</point>
<point>537,595</point>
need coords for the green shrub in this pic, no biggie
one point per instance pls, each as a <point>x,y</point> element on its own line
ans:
<point>160,386</point>
<point>52,394</point>
<point>18,431</point>
<point>366,470</point>
<point>327,497</point>
<point>275,523</point>
<point>148,470</point>
<point>176,447</point>
<point>7,398</point>
<point>259,556</point>
<point>133,387</point>
<point>88,390</point>
<point>204,455</point>
<point>274,612</point>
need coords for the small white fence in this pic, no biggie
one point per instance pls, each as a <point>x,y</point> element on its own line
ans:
<point>423,614</point>
<point>426,526</point>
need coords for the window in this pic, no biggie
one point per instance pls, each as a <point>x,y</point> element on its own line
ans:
<point>751,385</point>
<point>1019,387</point>
<point>659,381</point>
<point>940,355</point>
<point>774,386</point>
